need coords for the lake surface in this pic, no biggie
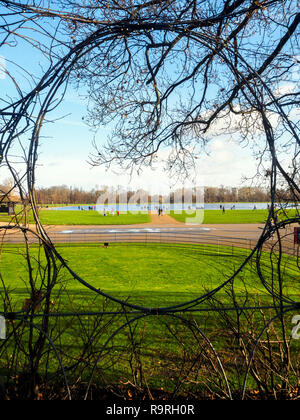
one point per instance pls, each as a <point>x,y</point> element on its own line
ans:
<point>166,207</point>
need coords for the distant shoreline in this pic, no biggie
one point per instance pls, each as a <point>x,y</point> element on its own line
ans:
<point>42,206</point>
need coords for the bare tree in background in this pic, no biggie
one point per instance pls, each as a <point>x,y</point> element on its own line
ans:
<point>172,75</point>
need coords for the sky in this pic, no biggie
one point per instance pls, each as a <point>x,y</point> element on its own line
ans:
<point>65,150</point>
<point>66,144</point>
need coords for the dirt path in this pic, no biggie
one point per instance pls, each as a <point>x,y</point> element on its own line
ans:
<point>163,220</point>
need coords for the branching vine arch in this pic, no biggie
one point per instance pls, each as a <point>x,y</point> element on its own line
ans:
<point>28,114</point>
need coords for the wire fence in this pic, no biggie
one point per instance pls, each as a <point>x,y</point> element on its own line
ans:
<point>243,251</point>
<point>183,235</point>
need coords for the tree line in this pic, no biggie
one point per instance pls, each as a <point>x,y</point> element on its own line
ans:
<point>70,195</point>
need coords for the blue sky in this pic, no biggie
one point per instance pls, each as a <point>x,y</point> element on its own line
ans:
<point>67,144</point>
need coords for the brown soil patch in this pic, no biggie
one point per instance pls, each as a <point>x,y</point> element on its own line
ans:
<point>165,219</point>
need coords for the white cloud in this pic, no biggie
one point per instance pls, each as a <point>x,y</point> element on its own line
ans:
<point>226,164</point>
<point>284,89</point>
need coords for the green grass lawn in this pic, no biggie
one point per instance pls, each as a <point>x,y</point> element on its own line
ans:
<point>154,275</point>
<point>70,217</point>
<point>229,217</point>
<point>150,275</point>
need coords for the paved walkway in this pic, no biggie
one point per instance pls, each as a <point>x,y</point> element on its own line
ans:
<point>161,229</point>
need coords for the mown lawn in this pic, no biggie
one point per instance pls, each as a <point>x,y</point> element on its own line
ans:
<point>150,275</point>
<point>70,217</point>
<point>154,275</point>
<point>229,217</point>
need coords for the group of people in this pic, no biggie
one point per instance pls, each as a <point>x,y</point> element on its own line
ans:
<point>93,208</point>
<point>160,212</point>
<point>90,208</point>
<point>233,207</point>
<point>112,213</point>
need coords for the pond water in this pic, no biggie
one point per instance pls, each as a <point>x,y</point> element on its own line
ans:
<point>166,207</point>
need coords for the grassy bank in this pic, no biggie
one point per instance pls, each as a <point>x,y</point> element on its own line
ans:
<point>229,217</point>
<point>70,217</point>
<point>153,275</point>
